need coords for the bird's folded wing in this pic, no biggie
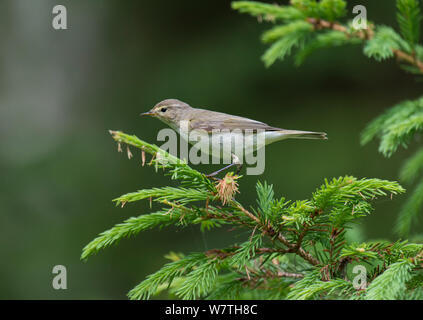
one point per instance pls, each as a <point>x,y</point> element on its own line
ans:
<point>226,122</point>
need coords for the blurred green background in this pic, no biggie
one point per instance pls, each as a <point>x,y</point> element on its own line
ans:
<point>60,92</point>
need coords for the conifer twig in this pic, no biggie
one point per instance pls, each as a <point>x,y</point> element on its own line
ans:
<point>293,248</point>
<point>320,24</point>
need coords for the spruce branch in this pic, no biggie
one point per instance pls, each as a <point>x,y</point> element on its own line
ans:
<point>313,287</point>
<point>413,167</point>
<point>389,43</point>
<point>134,225</point>
<point>380,42</point>
<point>267,229</point>
<point>409,19</point>
<point>392,282</point>
<point>396,126</point>
<point>280,230</point>
<point>269,12</point>
<point>178,169</point>
<point>410,211</point>
<point>181,194</point>
<point>167,274</point>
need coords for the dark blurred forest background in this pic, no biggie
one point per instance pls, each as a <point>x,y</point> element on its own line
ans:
<point>61,91</point>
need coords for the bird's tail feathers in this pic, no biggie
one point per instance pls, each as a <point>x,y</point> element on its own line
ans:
<point>296,134</point>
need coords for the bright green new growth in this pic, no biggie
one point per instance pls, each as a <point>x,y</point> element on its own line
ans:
<point>295,250</point>
<point>409,18</point>
<point>392,282</point>
<point>381,46</point>
<point>318,24</point>
<point>268,11</point>
<point>396,128</point>
<point>310,287</point>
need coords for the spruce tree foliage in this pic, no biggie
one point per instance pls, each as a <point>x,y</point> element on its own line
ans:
<point>308,25</point>
<point>295,249</point>
<point>305,26</point>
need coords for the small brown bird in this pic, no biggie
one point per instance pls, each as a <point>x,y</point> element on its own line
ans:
<point>183,118</point>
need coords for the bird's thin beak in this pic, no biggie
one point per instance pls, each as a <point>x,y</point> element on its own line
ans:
<point>149,113</point>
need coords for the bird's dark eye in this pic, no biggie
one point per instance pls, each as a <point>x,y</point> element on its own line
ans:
<point>163,109</point>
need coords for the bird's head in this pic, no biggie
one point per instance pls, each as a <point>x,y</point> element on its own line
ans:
<point>168,111</point>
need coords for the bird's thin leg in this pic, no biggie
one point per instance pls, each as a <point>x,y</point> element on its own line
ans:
<point>220,170</point>
<point>235,162</point>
